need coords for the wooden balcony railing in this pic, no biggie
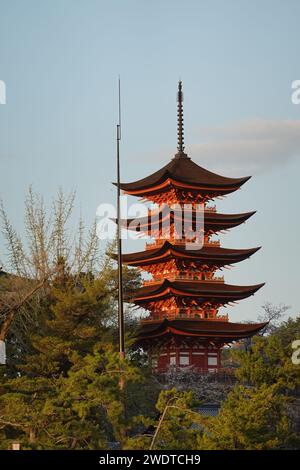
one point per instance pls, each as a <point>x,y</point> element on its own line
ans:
<point>160,241</point>
<point>181,277</point>
<point>175,315</point>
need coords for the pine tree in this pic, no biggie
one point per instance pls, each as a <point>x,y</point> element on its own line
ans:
<point>258,413</point>
<point>176,426</point>
<point>83,409</point>
<point>268,361</point>
<point>250,419</point>
<point>67,391</point>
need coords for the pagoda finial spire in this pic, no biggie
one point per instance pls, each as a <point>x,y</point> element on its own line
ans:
<point>180,126</point>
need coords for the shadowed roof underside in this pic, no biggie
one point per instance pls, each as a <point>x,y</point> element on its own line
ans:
<point>217,292</point>
<point>212,254</point>
<point>212,220</point>
<point>225,331</point>
<point>184,170</point>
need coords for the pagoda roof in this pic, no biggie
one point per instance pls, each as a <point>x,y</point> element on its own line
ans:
<point>214,292</point>
<point>181,171</point>
<point>209,329</point>
<point>207,254</point>
<point>212,220</point>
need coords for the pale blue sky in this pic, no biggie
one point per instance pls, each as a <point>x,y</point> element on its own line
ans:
<point>60,60</point>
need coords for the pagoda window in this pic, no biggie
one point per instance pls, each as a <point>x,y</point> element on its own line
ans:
<point>212,361</point>
<point>172,360</point>
<point>184,359</point>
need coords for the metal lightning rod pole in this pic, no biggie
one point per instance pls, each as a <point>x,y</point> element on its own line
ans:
<point>120,272</point>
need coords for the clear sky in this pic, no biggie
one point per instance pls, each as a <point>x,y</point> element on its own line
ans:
<point>60,60</point>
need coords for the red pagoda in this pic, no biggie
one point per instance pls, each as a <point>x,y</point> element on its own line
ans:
<point>183,297</point>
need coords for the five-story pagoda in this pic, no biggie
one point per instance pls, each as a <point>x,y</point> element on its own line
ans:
<point>184,295</point>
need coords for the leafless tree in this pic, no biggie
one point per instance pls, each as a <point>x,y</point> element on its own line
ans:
<point>49,248</point>
<point>273,314</point>
<point>49,238</point>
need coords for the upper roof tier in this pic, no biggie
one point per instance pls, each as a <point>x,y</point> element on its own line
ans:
<point>213,221</point>
<point>182,173</point>
<point>215,293</point>
<point>212,255</point>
